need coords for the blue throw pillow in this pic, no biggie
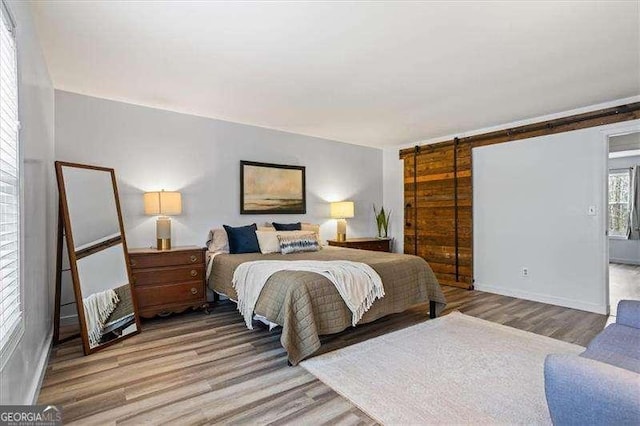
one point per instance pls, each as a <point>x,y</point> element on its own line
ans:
<point>242,239</point>
<point>287,226</point>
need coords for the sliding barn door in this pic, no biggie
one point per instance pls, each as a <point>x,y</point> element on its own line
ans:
<point>438,211</point>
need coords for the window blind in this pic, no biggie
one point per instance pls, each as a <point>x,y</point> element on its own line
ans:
<point>10,298</point>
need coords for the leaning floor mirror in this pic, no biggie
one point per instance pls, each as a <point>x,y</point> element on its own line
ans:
<point>97,254</point>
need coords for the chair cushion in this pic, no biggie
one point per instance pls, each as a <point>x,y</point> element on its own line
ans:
<point>613,358</point>
<point>629,313</point>
<point>617,345</point>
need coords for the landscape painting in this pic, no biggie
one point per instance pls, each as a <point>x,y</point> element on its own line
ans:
<point>272,189</point>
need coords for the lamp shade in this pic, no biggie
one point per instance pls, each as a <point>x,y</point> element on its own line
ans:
<point>162,203</point>
<point>342,210</point>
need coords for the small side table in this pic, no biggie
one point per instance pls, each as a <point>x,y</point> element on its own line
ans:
<point>374,244</point>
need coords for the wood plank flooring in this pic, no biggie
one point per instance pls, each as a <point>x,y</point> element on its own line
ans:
<point>202,369</point>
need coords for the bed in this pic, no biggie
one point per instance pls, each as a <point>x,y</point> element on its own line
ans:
<point>307,305</point>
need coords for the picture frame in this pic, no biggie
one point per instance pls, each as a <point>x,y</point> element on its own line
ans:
<point>267,188</point>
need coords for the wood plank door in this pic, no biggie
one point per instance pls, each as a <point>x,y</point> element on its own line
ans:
<point>438,231</point>
<point>435,229</point>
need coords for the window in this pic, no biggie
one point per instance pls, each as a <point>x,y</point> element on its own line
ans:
<point>10,298</point>
<point>619,196</point>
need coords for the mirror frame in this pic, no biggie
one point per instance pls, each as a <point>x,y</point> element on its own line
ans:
<point>73,254</point>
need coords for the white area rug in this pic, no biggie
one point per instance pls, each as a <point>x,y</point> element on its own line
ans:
<point>455,369</point>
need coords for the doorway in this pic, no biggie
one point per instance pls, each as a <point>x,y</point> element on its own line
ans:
<point>623,218</point>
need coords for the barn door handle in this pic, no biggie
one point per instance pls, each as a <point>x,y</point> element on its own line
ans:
<point>407,212</point>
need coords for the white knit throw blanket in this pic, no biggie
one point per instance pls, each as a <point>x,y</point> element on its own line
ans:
<point>358,284</point>
<point>97,308</point>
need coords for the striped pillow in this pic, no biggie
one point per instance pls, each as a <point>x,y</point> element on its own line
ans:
<point>298,243</point>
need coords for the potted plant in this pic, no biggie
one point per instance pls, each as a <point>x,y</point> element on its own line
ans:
<point>382,220</point>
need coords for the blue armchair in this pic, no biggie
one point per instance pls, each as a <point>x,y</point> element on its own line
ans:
<point>602,384</point>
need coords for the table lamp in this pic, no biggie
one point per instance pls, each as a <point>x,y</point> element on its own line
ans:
<point>342,210</point>
<point>163,204</point>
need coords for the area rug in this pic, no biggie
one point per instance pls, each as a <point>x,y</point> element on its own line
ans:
<point>452,370</point>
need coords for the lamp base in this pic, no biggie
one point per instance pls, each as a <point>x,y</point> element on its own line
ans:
<point>164,243</point>
<point>341,234</point>
<point>163,233</point>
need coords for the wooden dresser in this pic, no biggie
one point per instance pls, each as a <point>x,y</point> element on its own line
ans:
<point>168,281</point>
<point>375,244</point>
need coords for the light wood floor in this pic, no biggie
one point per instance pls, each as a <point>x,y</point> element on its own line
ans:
<point>200,369</point>
<point>624,283</point>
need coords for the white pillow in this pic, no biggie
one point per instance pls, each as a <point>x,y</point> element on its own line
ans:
<point>269,242</point>
<point>218,241</point>
<point>311,227</point>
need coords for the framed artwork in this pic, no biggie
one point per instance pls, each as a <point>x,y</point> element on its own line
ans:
<point>272,189</point>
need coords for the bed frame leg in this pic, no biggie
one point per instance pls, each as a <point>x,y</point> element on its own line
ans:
<point>432,309</point>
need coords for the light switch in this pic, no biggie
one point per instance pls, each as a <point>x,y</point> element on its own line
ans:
<point>592,211</point>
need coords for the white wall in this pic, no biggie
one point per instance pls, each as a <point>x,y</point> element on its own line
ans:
<point>530,210</point>
<point>102,271</point>
<point>21,375</point>
<point>623,250</point>
<point>393,189</point>
<point>91,203</point>
<point>152,149</point>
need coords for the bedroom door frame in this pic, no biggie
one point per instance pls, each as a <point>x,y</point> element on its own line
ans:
<point>608,132</point>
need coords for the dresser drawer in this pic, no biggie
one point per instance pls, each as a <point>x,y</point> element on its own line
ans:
<point>376,246</point>
<point>154,260</point>
<point>168,275</point>
<point>373,244</point>
<point>149,296</point>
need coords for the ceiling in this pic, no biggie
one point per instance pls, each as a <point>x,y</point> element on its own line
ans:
<point>370,73</point>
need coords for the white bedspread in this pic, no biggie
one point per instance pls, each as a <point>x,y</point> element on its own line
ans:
<point>357,283</point>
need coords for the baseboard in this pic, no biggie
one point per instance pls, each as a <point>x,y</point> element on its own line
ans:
<point>41,368</point>
<point>542,298</point>
<point>625,261</point>
<point>69,320</point>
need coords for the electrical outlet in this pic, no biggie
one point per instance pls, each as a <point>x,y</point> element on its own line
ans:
<point>525,271</point>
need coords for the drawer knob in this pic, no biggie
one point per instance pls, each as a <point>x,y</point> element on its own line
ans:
<point>194,290</point>
<point>133,262</point>
<point>193,258</point>
<point>133,280</point>
<point>193,272</point>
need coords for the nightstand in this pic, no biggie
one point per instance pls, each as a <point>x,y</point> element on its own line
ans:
<point>168,281</point>
<point>375,244</point>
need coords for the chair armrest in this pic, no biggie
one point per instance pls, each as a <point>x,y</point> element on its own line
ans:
<point>582,391</point>
<point>629,313</point>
